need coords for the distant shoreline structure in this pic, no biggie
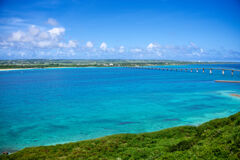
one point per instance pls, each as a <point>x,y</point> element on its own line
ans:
<point>226,81</point>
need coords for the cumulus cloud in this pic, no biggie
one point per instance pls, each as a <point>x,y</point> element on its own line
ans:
<point>39,42</point>
<point>173,52</point>
<point>121,49</point>
<point>152,46</point>
<point>33,30</point>
<point>89,44</point>
<point>136,50</point>
<point>103,46</point>
<point>70,44</point>
<point>52,21</point>
<point>35,34</point>
<point>36,41</point>
<point>17,36</point>
<point>44,44</point>
<point>55,32</point>
<point>44,35</point>
<point>40,38</point>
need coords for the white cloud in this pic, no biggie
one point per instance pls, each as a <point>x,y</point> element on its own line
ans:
<point>44,35</point>
<point>44,44</point>
<point>52,21</point>
<point>28,36</point>
<point>16,36</point>
<point>89,44</point>
<point>55,32</point>
<point>103,46</point>
<point>33,30</point>
<point>70,44</point>
<point>35,34</point>
<point>152,45</point>
<point>121,49</point>
<point>136,50</point>
<point>36,42</point>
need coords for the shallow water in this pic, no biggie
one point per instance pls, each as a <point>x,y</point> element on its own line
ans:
<point>49,106</point>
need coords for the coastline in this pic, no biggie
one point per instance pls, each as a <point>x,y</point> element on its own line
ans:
<point>12,151</point>
<point>178,142</point>
<point>15,69</point>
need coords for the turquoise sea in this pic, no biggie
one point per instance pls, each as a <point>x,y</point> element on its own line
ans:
<point>50,106</point>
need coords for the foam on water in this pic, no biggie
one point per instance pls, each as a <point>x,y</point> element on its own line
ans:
<point>50,106</point>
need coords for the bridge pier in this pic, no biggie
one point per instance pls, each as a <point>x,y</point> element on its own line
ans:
<point>186,69</point>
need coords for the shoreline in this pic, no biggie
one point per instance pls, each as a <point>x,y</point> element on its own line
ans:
<point>16,69</point>
<point>101,147</point>
<point>12,151</point>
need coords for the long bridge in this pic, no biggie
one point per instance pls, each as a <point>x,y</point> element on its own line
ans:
<point>194,70</point>
<point>189,69</point>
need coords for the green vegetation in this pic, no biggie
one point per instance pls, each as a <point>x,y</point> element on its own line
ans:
<point>44,63</point>
<point>217,139</point>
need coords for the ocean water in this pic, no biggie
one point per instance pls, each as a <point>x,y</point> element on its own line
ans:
<point>50,106</point>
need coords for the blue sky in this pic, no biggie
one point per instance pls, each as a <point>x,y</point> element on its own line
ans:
<point>199,30</point>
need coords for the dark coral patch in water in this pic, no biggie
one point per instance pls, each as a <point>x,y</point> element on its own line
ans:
<point>127,122</point>
<point>194,107</point>
<point>58,127</point>
<point>171,119</point>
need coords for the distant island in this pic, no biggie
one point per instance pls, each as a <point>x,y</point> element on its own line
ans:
<point>46,63</point>
<point>217,139</point>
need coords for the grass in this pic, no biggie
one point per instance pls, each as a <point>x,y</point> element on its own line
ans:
<point>217,139</point>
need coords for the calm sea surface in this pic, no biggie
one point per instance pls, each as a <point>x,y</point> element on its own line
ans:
<point>50,106</point>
